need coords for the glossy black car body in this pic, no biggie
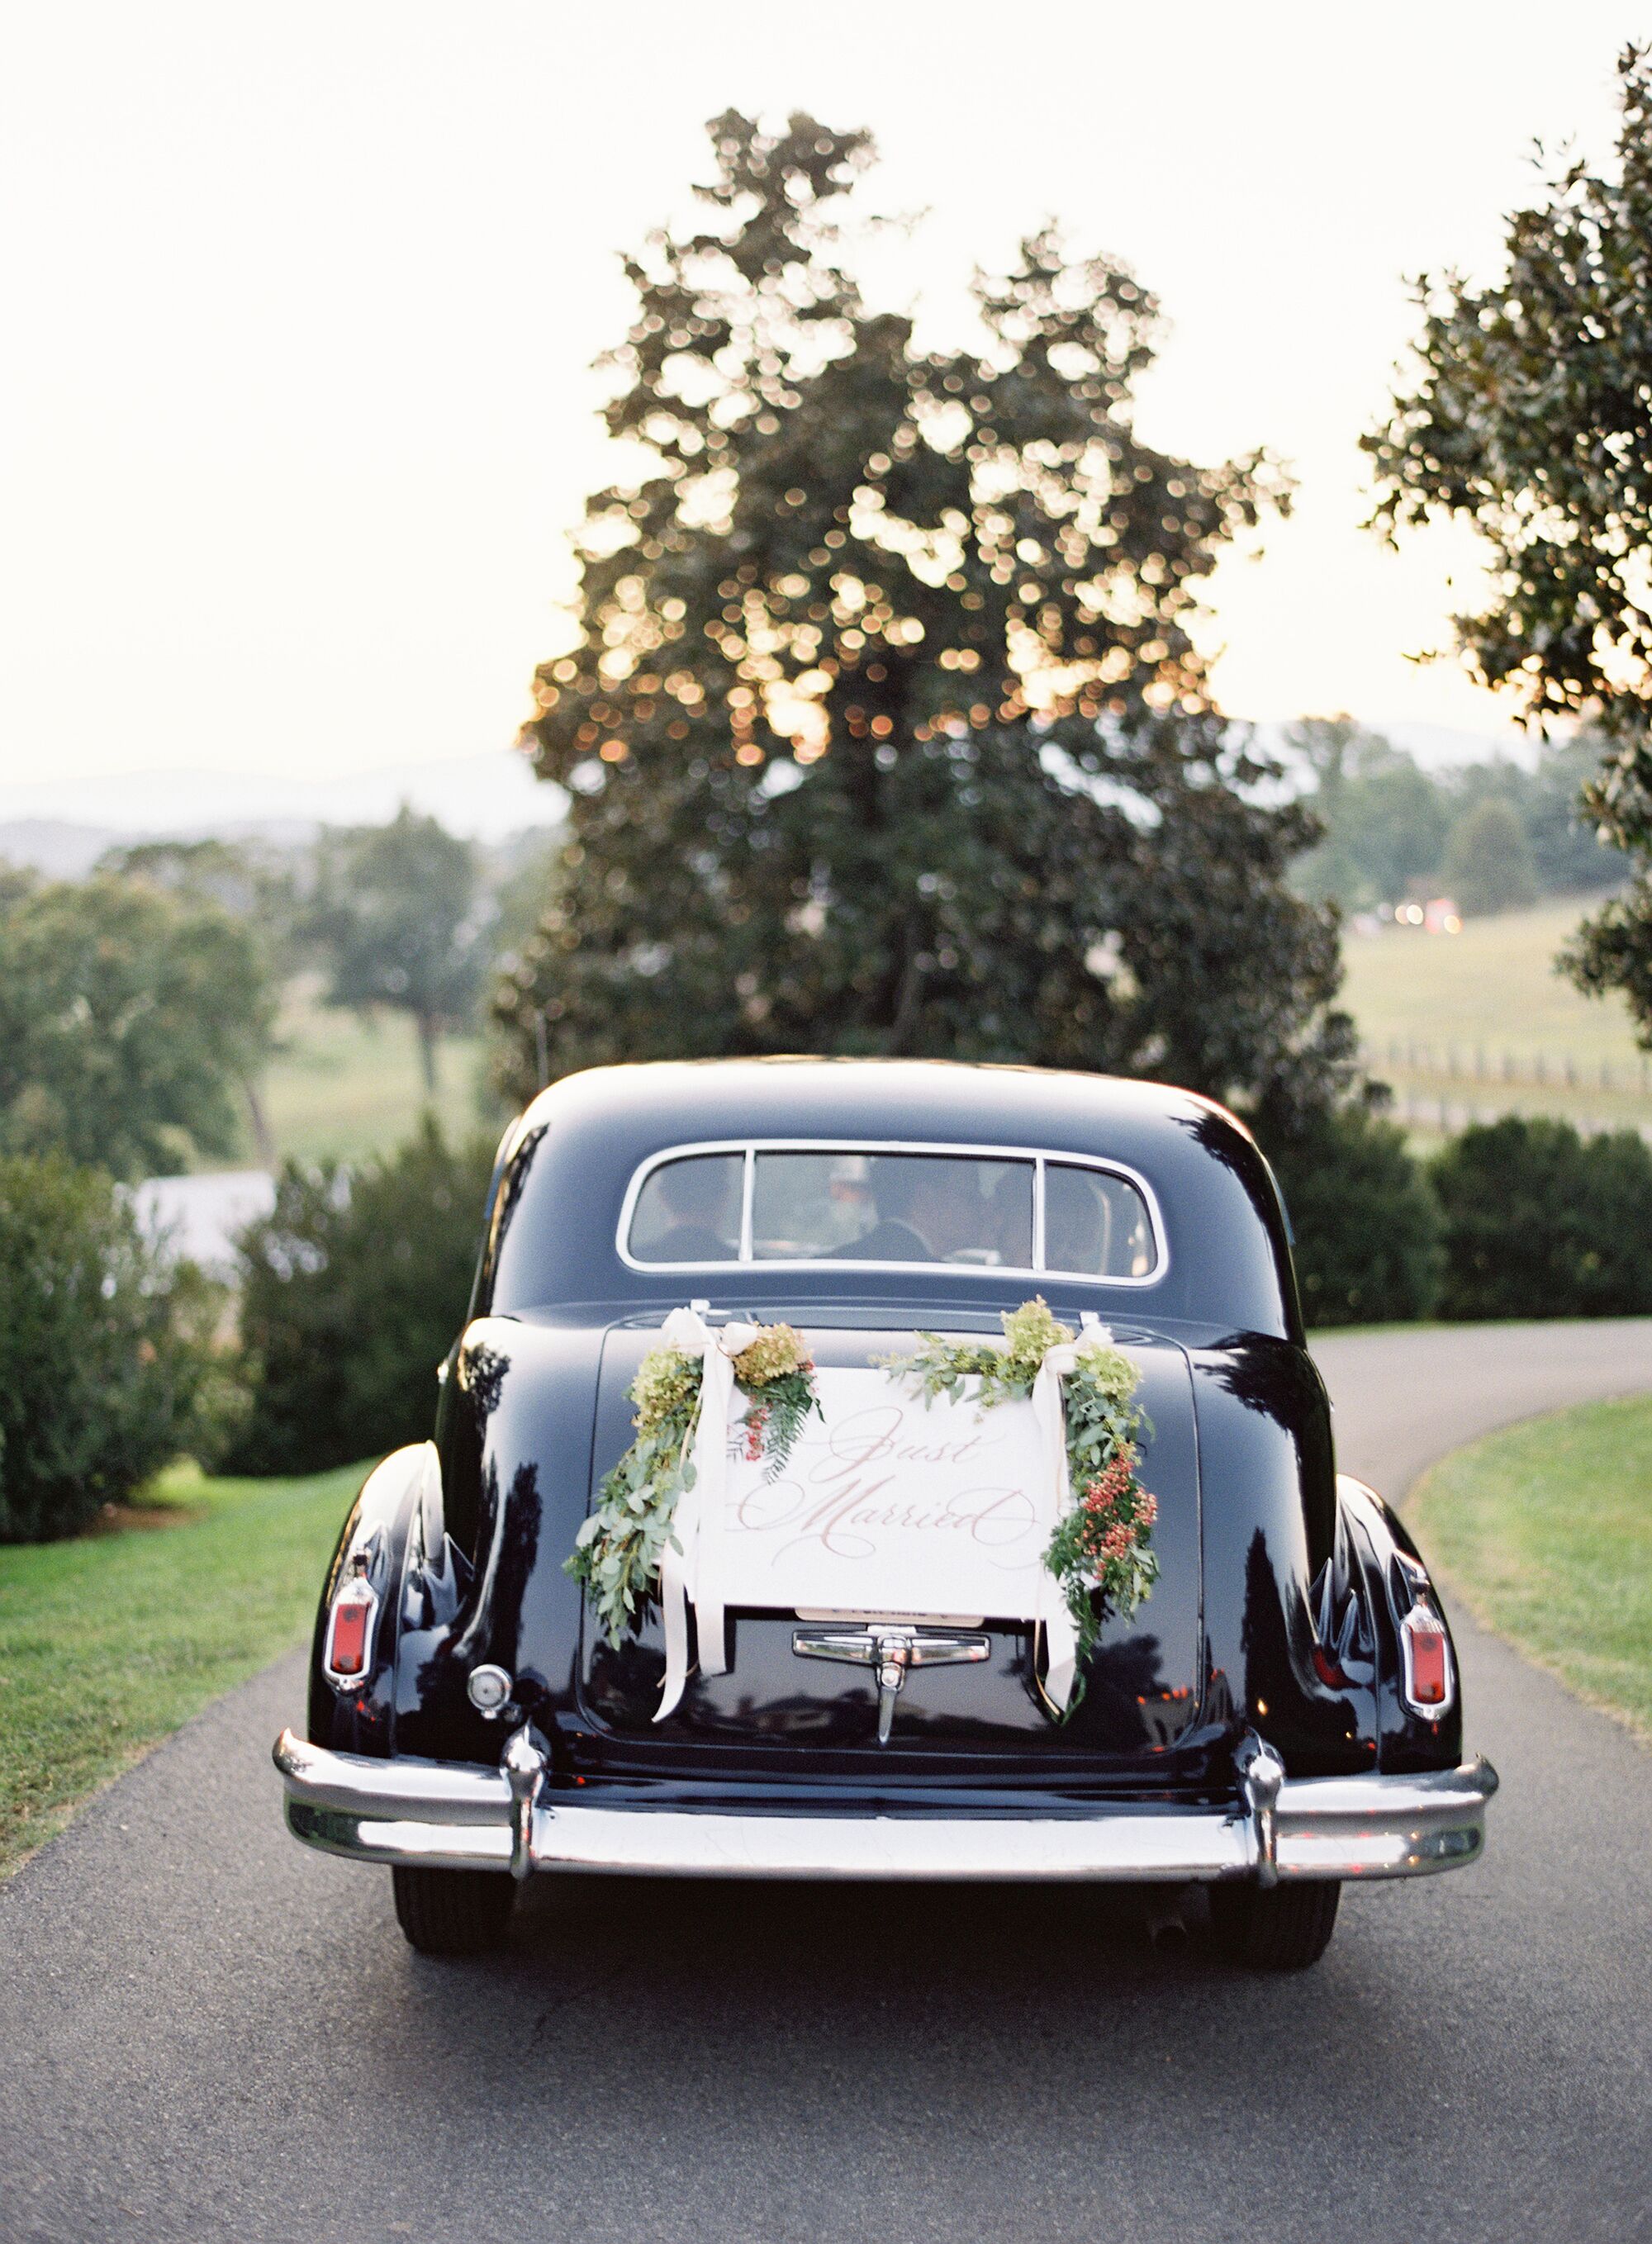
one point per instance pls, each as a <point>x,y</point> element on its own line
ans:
<point>1277,1621</point>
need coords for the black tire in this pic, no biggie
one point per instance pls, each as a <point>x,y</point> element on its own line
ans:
<point>453,1912</point>
<point>1280,1929</point>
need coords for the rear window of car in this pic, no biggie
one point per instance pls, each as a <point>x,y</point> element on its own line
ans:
<point>689,1211</point>
<point>988,1210</point>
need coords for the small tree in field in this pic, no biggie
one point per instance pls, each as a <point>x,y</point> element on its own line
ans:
<point>395,914</point>
<point>885,732</point>
<point>1530,414</point>
<point>1488,861</point>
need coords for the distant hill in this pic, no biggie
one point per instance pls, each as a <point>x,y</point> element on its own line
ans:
<point>1439,748</point>
<point>63,826</point>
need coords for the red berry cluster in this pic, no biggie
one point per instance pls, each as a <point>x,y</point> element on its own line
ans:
<point>1117,1511</point>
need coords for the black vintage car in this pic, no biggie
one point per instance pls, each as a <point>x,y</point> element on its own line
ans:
<point>1280,1712</point>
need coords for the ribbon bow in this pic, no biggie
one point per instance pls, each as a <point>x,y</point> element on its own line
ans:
<point>693,1572</point>
<point>1060,1637</point>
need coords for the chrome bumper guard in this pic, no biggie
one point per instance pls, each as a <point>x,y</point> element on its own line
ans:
<point>456,1816</point>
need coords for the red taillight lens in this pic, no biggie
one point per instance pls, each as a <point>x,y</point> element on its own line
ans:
<point>1428,1660</point>
<point>349,1632</point>
<point>1328,1671</point>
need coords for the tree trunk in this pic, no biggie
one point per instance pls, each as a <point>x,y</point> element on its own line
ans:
<point>263,1142</point>
<point>427,1030</point>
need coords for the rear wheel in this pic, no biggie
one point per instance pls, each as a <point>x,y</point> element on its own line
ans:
<point>1277,1927</point>
<point>452,1912</point>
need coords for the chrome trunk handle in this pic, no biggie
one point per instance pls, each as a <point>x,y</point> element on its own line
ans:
<point>892,1651</point>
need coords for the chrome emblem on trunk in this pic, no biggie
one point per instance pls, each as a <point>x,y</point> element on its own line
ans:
<point>892,1651</point>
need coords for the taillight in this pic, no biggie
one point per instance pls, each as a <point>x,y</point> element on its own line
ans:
<point>1429,1681</point>
<point>349,1631</point>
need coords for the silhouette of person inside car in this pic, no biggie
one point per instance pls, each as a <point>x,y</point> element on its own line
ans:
<point>696,1197</point>
<point>925,1211</point>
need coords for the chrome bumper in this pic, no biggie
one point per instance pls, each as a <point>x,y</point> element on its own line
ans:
<point>453,1815</point>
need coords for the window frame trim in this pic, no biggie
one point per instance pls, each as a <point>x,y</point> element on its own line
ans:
<point>749,1148</point>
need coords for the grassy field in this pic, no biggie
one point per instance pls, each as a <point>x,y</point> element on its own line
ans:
<point>109,1642</point>
<point>1544,1532</point>
<point>1493,984</point>
<point>1482,1020</point>
<point>347,1085</point>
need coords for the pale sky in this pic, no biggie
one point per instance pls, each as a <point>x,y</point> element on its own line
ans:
<point>300,302</point>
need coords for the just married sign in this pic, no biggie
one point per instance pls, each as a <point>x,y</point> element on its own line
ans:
<point>885,1506</point>
<point>877,1502</point>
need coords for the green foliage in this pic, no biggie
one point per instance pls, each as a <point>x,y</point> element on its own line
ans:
<point>131,1019</point>
<point>1387,822</point>
<point>108,1368</point>
<point>1568,855</point>
<point>885,732</point>
<point>1367,1225</point>
<point>1539,1222</point>
<point>260,889</point>
<point>395,914</point>
<point>1488,863</point>
<point>352,1290</point>
<point>1530,414</point>
<point>260,885</point>
<point>1101,1551</point>
<point>622,1542</point>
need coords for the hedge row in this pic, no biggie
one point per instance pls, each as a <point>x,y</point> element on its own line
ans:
<point>1521,1218</point>
<point>113,1361</point>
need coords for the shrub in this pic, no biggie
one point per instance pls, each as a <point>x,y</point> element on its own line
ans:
<point>1367,1229</point>
<point>1540,1223</point>
<point>354,1288</point>
<point>108,1368</point>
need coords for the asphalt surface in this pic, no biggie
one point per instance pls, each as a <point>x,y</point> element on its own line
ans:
<point>207,2032</point>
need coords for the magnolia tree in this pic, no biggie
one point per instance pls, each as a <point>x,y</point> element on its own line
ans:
<point>886,731</point>
<point>1530,414</point>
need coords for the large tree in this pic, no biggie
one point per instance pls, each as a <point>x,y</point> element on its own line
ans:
<point>1529,413</point>
<point>885,732</point>
<point>131,1022</point>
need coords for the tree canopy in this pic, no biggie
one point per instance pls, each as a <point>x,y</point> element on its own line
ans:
<point>1529,413</point>
<point>886,731</point>
<point>395,914</point>
<point>131,1021</point>
<point>1392,829</point>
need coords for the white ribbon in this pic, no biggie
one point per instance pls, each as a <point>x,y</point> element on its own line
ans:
<point>1059,1636</point>
<point>694,1575</point>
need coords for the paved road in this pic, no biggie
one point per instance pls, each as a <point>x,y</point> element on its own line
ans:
<point>206,2032</point>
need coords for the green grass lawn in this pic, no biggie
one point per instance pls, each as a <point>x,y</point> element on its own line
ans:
<point>1544,1532</point>
<point>109,1642</point>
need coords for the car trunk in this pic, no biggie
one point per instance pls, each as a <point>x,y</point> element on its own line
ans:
<point>1143,1686</point>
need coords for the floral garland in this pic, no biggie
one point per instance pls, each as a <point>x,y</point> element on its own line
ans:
<point>1101,1552</point>
<point>618,1551</point>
